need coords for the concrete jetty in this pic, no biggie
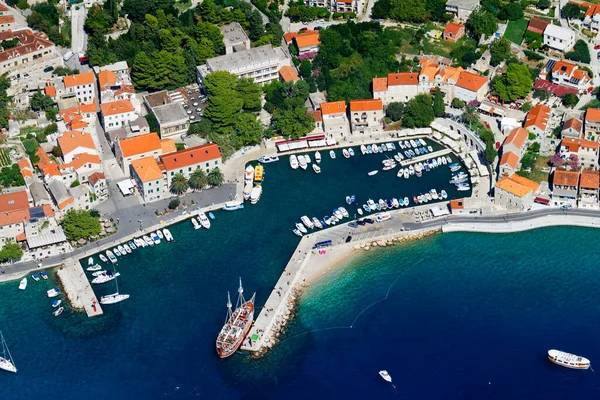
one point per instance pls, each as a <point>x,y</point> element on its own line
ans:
<point>78,289</point>
<point>424,157</point>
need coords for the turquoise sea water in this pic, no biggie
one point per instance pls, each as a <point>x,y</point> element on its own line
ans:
<point>473,319</point>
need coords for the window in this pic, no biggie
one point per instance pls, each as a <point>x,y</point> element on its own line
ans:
<point>217,162</point>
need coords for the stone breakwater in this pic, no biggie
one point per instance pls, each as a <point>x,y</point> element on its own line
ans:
<point>396,239</point>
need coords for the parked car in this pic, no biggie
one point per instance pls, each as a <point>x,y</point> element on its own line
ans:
<point>83,60</point>
<point>68,55</point>
<point>49,68</point>
<point>353,224</point>
<point>597,47</point>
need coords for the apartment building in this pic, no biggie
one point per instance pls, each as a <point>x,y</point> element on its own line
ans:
<point>117,114</point>
<point>82,86</point>
<point>366,116</point>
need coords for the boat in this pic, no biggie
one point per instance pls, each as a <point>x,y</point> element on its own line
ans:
<point>348,200</point>
<point>297,232</point>
<point>255,194</point>
<point>384,374</point>
<point>344,212</point>
<point>426,167</point>
<point>327,220</point>
<point>301,227</point>
<point>382,204</point>
<point>139,242</point>
<point>428,196</point>
<point>118,252</point>
<point>102,258</point>
<point>111,256</point>
<point>413,144</point>
<point>401,144</point>
<point>115,297</point>
<point>406,173</point>
<point>411,170</point>
<point>366,208</point>
<point>332,154</point>
<point>458,180</point>
<point>168,235</point>
<point>430,149</point>
<point>155,238</point>
<point>23,284</point>
<point>203,219</point>
<point>351,152</point>
<point>302,161</point>
<point>444,194</point>
<point>307,158</point>
<point>316,168</point>
<point>91,261</point>
<point>52,292</point>
<point>317,223</point>
<point>107,277</point>
<point>373,173</point>
<point>345,153</point>
<point>395,203</point>
<point>268,159</point>
<point>384,217</point>
<point>434,162</point>
<point>44,275</point>
<point>444,160</point>
<point>439,161</point>
<point>56,303</point>
<point>359,211</point>
<point>397,158</point>
<point>196,224</point>
<point>400,173</point>
<point>237,324</point>
<point>371,204</point>
<point>294,161</point>
<point>132,245</point>
<point>318,157</point>
<point>338,214</point>
<point>35,277</point>
<point>6,361</point>
<point>434,194</point>
<point>232,206</point>
<point>247,190</point>
<point>307,222</point>
<point>363,149</point>
<point>568,360</point>
<point>415,199</point>
<point>98,273</point>
<point>418,151</point>
<point>127,249</point>
<point>96,267</point>
<point>406,201</point>
<point>463,188</point>
<point>249,173</point>
<point>388,167</point>
<point>58,312</point>
<point>389,203</point>
<point>448,159</point>
<point>258,173</point>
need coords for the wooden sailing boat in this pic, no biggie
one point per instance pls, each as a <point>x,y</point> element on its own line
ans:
<point>237,324</point>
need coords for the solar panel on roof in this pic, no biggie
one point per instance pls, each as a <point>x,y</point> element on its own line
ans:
<point>36,212</point>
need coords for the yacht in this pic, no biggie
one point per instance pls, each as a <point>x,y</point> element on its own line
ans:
<point>332,154</point>
<point>268,159</point>
<point>232,206</point>
<point>113,298</point>
<point>363,149</point>
<point>203,219</point>
<point>249,174</point>
<point>111,256</point>
<point>301,227</point>
<point>302,161</point>
<point>95,267</point>
<point>294,161</point>
<point>98,273</point>
<point>345,153</point>
<point>371,204</point>
<point>168,235</point>
<point>107,277</point>
<point>388,166</point>
<point>6,361</point>
<point>247,189</point>
<point>307,158</point>
<point>139,242</point>
<point>23,284</point>
<point>317,223</point>
<point>148,240</point>
<point>316,168</point>
<point>568,360</point>
<point>297,232</point>
<point>52,292</point>
<point>317,157</point>
<point>351,152</point>
<point>307,222</point>
<point>255,194</point>
<point>463,188</point>
<point>434,194</point>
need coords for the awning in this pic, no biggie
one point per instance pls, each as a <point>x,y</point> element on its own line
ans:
<point>541,200</point>
<point>438,212</point>
<point>126,186</point>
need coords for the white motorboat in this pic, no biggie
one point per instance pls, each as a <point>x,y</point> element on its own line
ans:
<point>434,194</point>
<point>6,361</point>
<point>338,214</point>
<point>351,152</point>
<point>345,153</point>
<point>91,261</point>
<point>294,161</point>
<point>373,173</point>
<point>444,160</point>
<point>317,223</point>
<point>247,190</point>
<point>448,159</point>
<point>307,158</point>
<point>406,201</point>
<point>317,157</point>
<point>413,144</point>
<point>127,248</point>
<point>359,211</point>
<point>168,235</point>
<point>430,149</point>
<point>203,219</point>
<point>111,256</point>
<point>249,174</point>
<point>332,154</point>
<point>58,312</point>
<point>344,212</point>
<point>140,242</point>
<point>255,194</point>
<point>56,303</point>
<point>155,238</point>
<point>400,173</point>
<point>444,194</point>
<point>102,258</point>
<point>371,204</point>
<point>23,284</point>
<point>428,196</point>
<point>316,168</point>
<point>94,268</point>
<point>439,161</point>
<point>395,203</point>
<point>107,277</point>
<point>301,228</point>
<point>98,273</point>
<point>35,277</point>
<point>160,234</point>
<point>302,161</point>
<point>401,144</point>
<point>117,252</point>
<point>363,149</point>
<point>411,170</point>
<point>388,167</point>
<point>568,360</point>
<point>406,173</point>
<point>389,146</point>
<point>463,188</point>
<point>375,149</point>
<point>196,224</point>
<point>307,222</point>
<point>52,292</point>
<point>268,159</point>
<point>297,232</point>
<point>382,204</point>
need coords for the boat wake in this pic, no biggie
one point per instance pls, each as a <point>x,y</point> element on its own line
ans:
<point>360,313</point>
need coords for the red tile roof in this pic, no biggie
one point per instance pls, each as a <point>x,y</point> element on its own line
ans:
<point>147,169</point>
<point>574,124</point>
<point>191,156</point>
<point>288,74</point>
<point>25,167</point>
<point>71,140</point>
<point>566,178</point>
<point>307,40</point>
<point>557,90</point>
<point>85,78</point>
<point>380,84</point>
<point>453,29</point>
<point>592,114</point>
<point>334,107</point>
<point>80,160</point>
<point>14,201</point>
<point>510,158</point>
<point>50,91</point>
<point>366,105</point>
<point>95,177</point>
<point>140,144</point>
<point>516,137</point>
<point>403,78</point>
<point>517,185</point>
<point>117,107</point>
<point>470,81</point>
<point>316,115</point>
<point>590,179</point>
<point>538,116</point>
<point>537,25</point>
<point>28,43</point>
<point>14,217</point>
<point>289,37</point>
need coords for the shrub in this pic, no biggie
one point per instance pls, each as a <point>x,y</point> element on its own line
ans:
<point>174,203</point>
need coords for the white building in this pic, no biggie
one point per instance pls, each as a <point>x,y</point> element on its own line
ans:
<point>83,86</point>
<point>206,157</point>
<point>32,51</point>
<point>400,87</point>
<point>559,38</point>
<point>366,116</point>
<point>117,114</point>
<point>234,38</point>
<point>569,74</point>
<point>76,142</point>
<point>335,121</point>
<point>461,9</point>
<point>150,181</point>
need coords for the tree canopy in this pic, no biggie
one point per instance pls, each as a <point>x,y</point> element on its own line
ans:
<point>11,176</point>
<point>515,84</point>
<point>80,224</point>
<point>286,101</point>
<point>481,23</point>
<point>41,102</point>
<point>580,52</point>
<point>411,10</point>
<point>10,251</point>
<point>500,50</point>
<point>570,11</point>
<point>418,112</point>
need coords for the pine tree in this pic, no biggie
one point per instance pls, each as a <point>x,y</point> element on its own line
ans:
<point>439,109</point>
<point>142,70</point>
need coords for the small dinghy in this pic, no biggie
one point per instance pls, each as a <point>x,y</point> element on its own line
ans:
<point>318,157</point>
<point>345,153</point>
<point>351,152</point>
<point>316,168</point>
<point>94,268</point>
<point>373,173</point>
<point>58,312</point>
<point>35,277</point>
<point>56,303</point>
<point>91,261</point>
<point>332,154</point>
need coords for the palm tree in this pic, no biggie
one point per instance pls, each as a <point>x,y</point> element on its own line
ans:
<point>215,177</point>
<point>470,115</point>
<point>179,184</point>
<point>198,179</point>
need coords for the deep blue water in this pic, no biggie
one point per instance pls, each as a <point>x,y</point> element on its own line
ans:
<point>473,319</point>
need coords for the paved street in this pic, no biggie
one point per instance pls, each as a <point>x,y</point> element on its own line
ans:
<point>78,35</point>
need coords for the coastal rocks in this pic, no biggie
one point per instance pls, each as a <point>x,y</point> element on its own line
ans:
<point>407,237</point>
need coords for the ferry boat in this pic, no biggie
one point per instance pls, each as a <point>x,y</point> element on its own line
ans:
<point>232,206</point>
<point>302,161</point>
<point>255,194</point>
<point>249,173</point>
<point>317,158</point>
<point>6,361</point>
<point>258,173</point>
<point>293,161</point>
<point>203,219</point>
<point>268,159</point>
<point>568,360</point>
<point>237,324</point>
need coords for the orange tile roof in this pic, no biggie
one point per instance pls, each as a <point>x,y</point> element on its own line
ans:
<point>71,140</point>
<point>50,91</point>
<point>366,105</point>
<point>403,78</point>
<point>88,108</point>
<point>516,137</point>
<point>288,74</point>
<point>564,67</point>
<point>457,204</point>
<point>95,177</point>
<point>168,146</point>
<point>289,37</point>
<point>590,179</point>
<point>25,167</point>
<point>47,167</point>
<point>7,19</point>
<point>117,107</point>
<point>453,28</point>
<point>80,160</point>
<point>107,78</point>
<point>537,25</point>
<point>470,81</point>
<point>538,116</point>
<point>580,74</point>
<point>80,79</point>
<point>509,158</point>
<point>450,73</point>
<point>147,169</point>
<point>140,144</point>
<point>574,124</point>
<point>3,8</point>
<point>14,201</point>
<point>429,69</point>
<point>191,156</point>
<point>517,185</point>
<point>380,84</point>
<point>21,237</point>
<point>14,217</point>
<point>334,107</point>
<point>588,144</point>
<point>65,203</point>
<point>592,10</point>
<point>316,115</point>
<point>566,178</point>
<point>307,40</point>
<point>48,211</point>
<point>125,89</point>
<point>592,114</point>
<point>571,144</point>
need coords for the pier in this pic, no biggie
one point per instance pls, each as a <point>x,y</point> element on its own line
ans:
<point>424,157</point>
<point>78,289</point>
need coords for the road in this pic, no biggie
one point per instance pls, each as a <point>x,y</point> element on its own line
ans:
<point>78,35</point>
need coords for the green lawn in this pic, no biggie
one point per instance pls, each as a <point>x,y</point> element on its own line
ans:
<point>515,30</point>
<point>537,174</point>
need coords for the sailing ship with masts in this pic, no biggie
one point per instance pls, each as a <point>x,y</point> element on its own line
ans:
<point>237,324</point>
<point>6,360</point>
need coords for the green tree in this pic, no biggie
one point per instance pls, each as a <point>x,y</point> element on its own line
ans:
<point>457,103</point>
<point>250,93</point>
<point>215,177</point>
<point>500,50</point>
<point>580,52</point>
<point>408,10</point>
<point>515,84</point>
<point>141,70</point>
<point>526,106</point>
<point>174,203</point>
<point>418,112</point>
<point>570,11</point>
<point>439,108</point>
<point>382,9</point>
<point>248,129</point>
<point>79,224</point>
<point>11,176</point>
<point>481,23</point>
<point>394,111</point>
<point>543,4</point>
<point>514,11</point>
<point>75,183</point>
<point>41,102</point>
<point>470,115</point>
<point>292,122</point>
<point>490,152</point>
<point>570,100</point>
<point>198,179</point>
<point>179,184</point>
<point>57,151</point>
<point>11,252</point>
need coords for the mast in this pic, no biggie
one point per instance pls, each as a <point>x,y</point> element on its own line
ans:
<point>241,294</point>
<point>5,350</point>
<point>228,308</point>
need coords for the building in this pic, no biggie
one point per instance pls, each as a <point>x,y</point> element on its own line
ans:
<point>453,32</point>
<point>537,120</point>
<point>572,128</point>
<point>76,142</point>
<point>47,167</point>
<point>592,124</point>
<point>591,18</point>
<point>288,74</point>
<point>81,197</point>
<point>512,151</point>
<point>335,121</point>
<point>61,195</point>
<point>82,86</point>
<point>137,147</point>
<point>26,169</point>
<point>39,194</point>
<point>98,186</point>
<point>565,185</point>
<point>347,6</point>
<point>471,87</point>
<point>262,64</point>
<point>7,23</point>
<point>234,38</point>
<point>509,163</point>
<point>559,38</point>
<point>33,50</point>
<point>117,114</point>
<point>366,116</point>
<point>290,36</point>
<point>80,168</point>
<point>569,74</point>
<point>537,25</point>
<point>14,212</point>
<point>172,119</point>
<point>400,87</point>
<point>206,157</point>
<point>318,118</point>
<point>461,9</point>
<point>589,185</point>
<point>586,151</point>
<point>307,44</point>
<point>114,82</point>
<point>515,192</point>
<point>150,181</point>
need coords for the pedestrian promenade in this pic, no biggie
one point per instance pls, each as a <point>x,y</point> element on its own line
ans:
<point>78,289</point>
